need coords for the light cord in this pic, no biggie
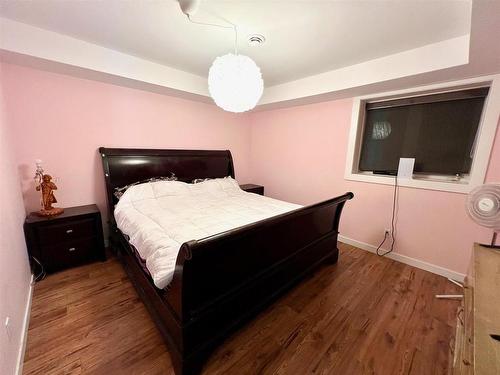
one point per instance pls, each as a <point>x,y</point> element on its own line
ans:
<point>235,39</point>
<point>233,26</point>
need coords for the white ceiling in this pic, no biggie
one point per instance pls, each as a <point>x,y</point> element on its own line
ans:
<point>304,38</point>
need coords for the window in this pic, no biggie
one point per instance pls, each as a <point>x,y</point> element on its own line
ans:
<point>437,130</point>
<point>448,128</point>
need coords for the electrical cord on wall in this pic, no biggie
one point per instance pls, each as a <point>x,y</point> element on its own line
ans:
<point>42,273</point>
<point>392,235</point>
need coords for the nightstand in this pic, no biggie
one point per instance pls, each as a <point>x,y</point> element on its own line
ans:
<point>71,239</point>
<point>251,188</point>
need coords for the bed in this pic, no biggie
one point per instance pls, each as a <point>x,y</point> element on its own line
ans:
<point>220,281</point>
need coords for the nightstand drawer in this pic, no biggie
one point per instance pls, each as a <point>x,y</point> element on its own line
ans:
<point>67,240</point>
<point>67,231</point>
<point>69,254</point>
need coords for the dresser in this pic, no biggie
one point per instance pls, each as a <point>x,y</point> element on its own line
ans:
<point>71,239</point>
<point>476,351</point>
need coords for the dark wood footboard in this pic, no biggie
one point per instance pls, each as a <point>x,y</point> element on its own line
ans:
<point>223,280</point>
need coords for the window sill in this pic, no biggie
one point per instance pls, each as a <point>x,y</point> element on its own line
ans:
<point>463,187</point>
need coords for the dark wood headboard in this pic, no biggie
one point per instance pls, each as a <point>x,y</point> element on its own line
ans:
<point>123,166</point>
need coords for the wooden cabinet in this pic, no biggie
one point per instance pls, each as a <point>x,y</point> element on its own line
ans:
<point>476,349</point>
<point>251,188</point>
<point>463,361</point>
<point>70,239</point>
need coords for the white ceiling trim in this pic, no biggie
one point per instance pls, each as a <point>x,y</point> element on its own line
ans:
<point>28,40</point>
<point>68,55</point>
<point>446,54</point>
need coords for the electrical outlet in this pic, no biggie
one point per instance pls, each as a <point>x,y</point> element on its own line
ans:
<point>7,328</point>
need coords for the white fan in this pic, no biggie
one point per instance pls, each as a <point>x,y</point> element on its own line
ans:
<point>483,206</point>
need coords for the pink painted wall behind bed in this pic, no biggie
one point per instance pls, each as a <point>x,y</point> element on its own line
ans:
<point>299,154</point>
<point>63,120</point>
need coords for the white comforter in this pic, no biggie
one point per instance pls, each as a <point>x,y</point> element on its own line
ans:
<point>160,216</point>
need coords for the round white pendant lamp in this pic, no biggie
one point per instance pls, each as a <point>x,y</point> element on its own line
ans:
<point>235,83</point>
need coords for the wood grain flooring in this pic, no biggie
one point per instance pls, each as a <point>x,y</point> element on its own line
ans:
<point>364,315</point>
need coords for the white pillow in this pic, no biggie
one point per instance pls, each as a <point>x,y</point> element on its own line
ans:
<point>169,188</point>
<point>228,183</point>
<point>215,186</point>
<point>137,192</point>
<point>158,189</point>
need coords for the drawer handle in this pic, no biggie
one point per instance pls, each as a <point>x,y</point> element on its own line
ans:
<point>72,249</point>
<point>69,231</point>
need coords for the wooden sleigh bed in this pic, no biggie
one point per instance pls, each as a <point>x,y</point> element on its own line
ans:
<point>223,280</point>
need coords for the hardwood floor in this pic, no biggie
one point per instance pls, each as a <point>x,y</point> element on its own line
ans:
<point>364,315</point>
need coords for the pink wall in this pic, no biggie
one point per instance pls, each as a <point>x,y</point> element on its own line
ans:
<point>63,120</point>
<point>299,154</point>
<point>15,274</point>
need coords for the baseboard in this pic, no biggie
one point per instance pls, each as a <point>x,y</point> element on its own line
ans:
<point>24,339</point>
<point>406,260</point>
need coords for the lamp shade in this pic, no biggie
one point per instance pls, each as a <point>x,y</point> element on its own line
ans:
<point>235,82</point>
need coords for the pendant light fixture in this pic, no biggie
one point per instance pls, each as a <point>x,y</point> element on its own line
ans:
<point>234,81</point>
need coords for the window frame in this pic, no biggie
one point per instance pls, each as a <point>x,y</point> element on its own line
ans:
<point>486,134</point>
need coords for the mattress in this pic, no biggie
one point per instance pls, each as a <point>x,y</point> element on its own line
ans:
<point>160,216</point>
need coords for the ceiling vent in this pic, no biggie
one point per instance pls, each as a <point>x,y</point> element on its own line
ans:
<point>256,40</point>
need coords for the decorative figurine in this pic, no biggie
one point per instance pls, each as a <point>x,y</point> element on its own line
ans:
<point>47,187</point>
